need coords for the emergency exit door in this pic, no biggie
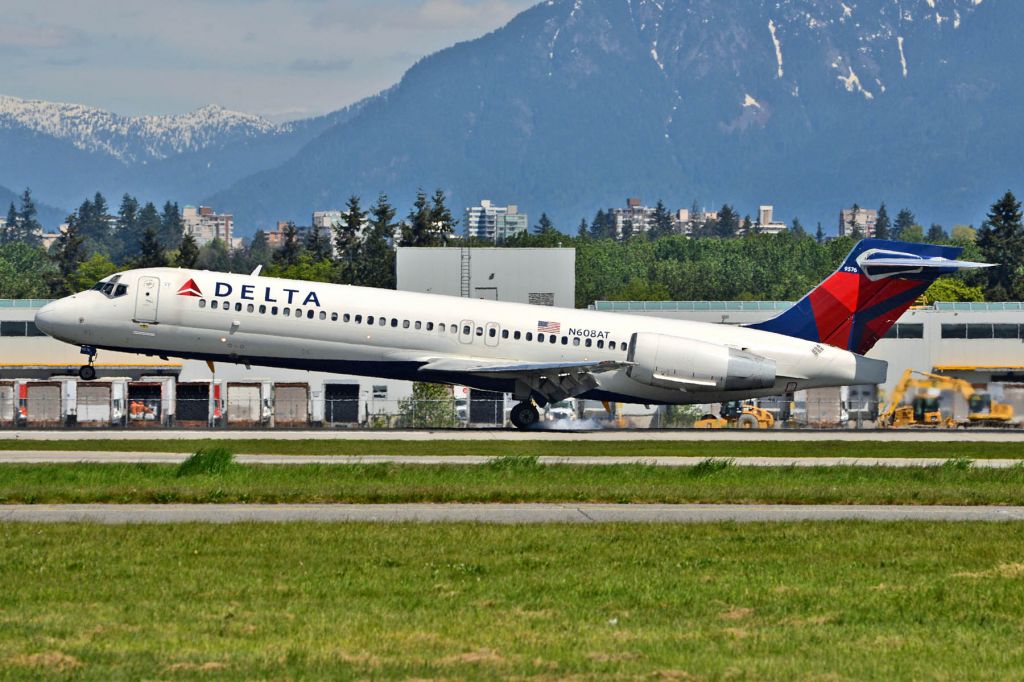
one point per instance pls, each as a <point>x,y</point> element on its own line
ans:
<point>147,299</point>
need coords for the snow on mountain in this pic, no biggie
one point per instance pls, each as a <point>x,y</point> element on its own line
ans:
<point>133,139</point>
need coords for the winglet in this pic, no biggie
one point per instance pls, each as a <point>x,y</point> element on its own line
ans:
<point>257,271</point>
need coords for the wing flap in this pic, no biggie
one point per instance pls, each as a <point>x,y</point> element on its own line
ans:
<point>491,367</point>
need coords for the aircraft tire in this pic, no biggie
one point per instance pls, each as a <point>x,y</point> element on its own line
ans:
<point>86,372</point>
<point>524,415</point>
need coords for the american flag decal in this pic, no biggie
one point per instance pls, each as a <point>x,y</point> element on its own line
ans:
<point>549,327</point>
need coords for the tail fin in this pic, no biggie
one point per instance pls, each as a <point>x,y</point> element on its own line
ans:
<point>859,302</point>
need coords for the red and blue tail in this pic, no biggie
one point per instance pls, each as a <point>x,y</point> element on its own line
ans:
<point>876,284</point>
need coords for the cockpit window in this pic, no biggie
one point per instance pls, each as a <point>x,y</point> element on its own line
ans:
<point>110,288</point>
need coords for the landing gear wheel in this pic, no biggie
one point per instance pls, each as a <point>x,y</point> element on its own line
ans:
<point>524,415</point>
<point>86,372</point>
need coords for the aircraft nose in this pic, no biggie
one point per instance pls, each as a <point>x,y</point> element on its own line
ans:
<point>55,317</point>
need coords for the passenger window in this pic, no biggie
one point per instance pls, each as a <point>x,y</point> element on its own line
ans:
<point>213,305</point>
<point>273,310</point>
<point>419,324</point>
<point>600,343</point>
<point>405,324</point>
<point>575,340</point>
<point>467,330</point>
<point>394,322</point>
<point>263,310</point>
<point>250,308</point>
<point>479,331</point>
<point>529,336</point>
<point>334,317</point>
<point>382,321</point>
<point>611,345</point>
<point>238,307</point>
<point>540,338</point>
<point>359,319</point>
<point>553,338</point>
<point>516,335</point>
<point>369,319</point>
<point>565,341</point>
<point>346,317</point>
<point>504,333</point>
<point>454,329</point>
<point>202,303</point>
<point>323,315</point>
<point>430,326</point>
<point>588,343</point>
<point>287,312</point>
<point>311,313</point>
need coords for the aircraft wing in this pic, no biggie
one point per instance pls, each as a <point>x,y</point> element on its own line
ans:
<point>520,369</point>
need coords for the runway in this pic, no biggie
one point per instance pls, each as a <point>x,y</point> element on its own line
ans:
<point>100,457</point>
<point>492,513</point>
<point>484,435</point>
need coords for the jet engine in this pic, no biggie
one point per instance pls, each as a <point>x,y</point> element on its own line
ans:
<point>688,365</point>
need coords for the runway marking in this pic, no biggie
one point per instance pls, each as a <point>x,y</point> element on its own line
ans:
<point>494,513</point>
<point>100,457</point>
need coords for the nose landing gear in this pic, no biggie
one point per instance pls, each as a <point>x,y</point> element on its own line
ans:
<point>88,372</point>
<point>524,415</point>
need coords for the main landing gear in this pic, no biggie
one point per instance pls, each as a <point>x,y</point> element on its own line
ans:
<point>88,372</point>
<point>524,415</point>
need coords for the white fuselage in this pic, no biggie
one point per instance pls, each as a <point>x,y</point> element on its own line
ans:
<point>376,332</point>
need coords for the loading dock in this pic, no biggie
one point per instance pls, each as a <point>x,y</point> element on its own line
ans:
<point>341,404</point>
<point>148,403</point>
<point>94,404</point>
<point>291,405</point>
<point>43,403</point>
<point>7,403</point>
<point>245,405</point>
<point>192,401</point>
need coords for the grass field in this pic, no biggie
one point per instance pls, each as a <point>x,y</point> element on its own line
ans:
<point>832,601</point>
<point>952,448</point>
<point>511,480</point>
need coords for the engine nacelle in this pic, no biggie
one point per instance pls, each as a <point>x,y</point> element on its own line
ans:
<point>690,365</point>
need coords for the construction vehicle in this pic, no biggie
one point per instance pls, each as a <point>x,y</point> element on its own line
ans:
<point>924,408</point>
<point>738,415</point>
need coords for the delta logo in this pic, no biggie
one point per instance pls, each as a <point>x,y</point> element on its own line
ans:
<point>190,288</point>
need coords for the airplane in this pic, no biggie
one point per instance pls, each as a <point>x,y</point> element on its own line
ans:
<point>539,354</point>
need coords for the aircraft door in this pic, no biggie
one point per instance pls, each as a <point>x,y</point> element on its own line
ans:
<point>147,298</point>
<point>492,333</point>
<point>466,331</point>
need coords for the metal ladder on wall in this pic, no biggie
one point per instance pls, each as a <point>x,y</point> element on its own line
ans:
<point>465,277</point>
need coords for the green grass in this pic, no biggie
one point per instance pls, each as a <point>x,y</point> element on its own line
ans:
<point>641,448</point>
<point>513,479</point>
<point>826,601</point>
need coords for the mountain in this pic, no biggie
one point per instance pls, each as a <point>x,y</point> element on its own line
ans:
<point>47,215</point>
<point>576,104</point>
<point>66,152</point>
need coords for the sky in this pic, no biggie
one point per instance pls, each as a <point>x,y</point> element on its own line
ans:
<point>282,59</point>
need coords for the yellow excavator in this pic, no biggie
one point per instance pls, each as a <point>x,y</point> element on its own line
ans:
<point>738,415</point>
<point>924,409</point>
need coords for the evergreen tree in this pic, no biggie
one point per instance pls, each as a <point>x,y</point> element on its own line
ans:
<point>936,234</point>
<point>348,239</point>
<point>583,231</point>
<point>376,265</point>
<point>442,224</point>
<point>124,243</point>
<point>68,255</point>
<point>29,229</point>
<point>10,230</point>
<point>1001,241</point>
<point>797,230</point>
<point>318,244</point>
<point>602,227</point>
<point>628,230</point>
<point>291,249</point>
<point>904,220</point>
<point>819,234</point>
<point>187,252</point>
<point>728,222</point>
<point>544,225</point>
<point>417,231</point>
<point>883,227</point>
<point>151,253</point>
<point>661,221</point>
<point>853,224</point>
<point>170,233</point>
<point>747,227</point>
